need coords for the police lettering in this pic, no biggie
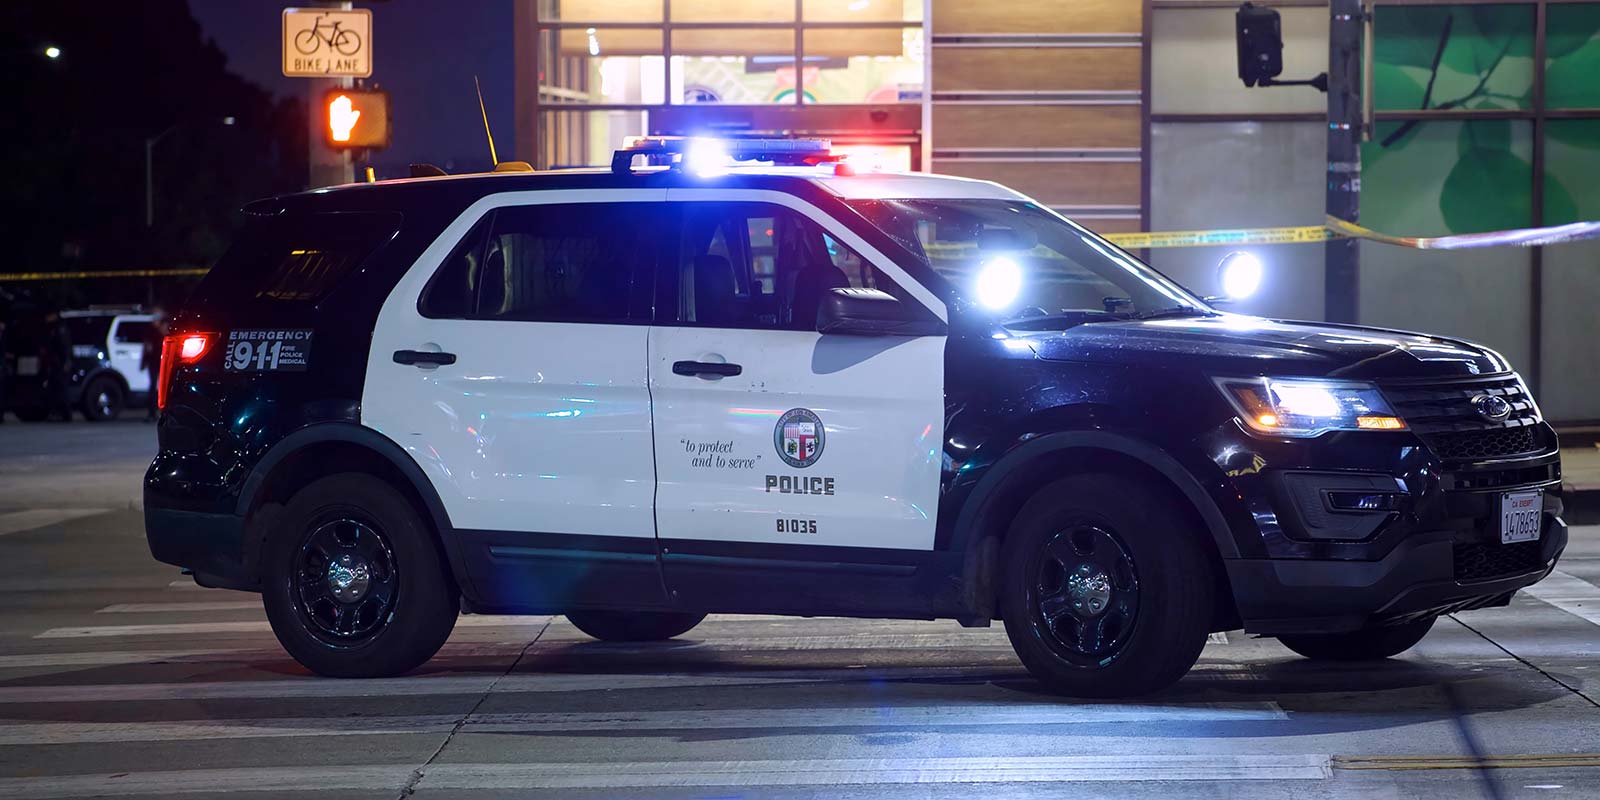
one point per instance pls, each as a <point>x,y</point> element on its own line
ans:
<point>800,484</point>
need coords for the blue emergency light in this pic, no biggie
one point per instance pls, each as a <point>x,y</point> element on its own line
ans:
<point>705,155</point>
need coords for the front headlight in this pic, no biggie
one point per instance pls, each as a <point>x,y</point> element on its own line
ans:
<point>1305,407</point>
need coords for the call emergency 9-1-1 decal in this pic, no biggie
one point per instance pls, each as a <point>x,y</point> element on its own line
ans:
<point>268,350</point>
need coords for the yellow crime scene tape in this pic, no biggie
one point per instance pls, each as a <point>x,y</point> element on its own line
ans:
<point>1332,228</point>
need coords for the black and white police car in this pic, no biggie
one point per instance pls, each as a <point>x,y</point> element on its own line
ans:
<point>105,376</point>
<point>739,377</point>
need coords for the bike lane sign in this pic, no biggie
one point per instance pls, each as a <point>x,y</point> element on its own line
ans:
<point>327,43</point>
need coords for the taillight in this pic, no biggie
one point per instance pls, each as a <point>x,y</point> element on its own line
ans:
<point>179,348</point>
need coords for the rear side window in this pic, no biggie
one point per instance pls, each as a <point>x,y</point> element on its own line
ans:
<point>587,262</point>
<point>132,331</point>
<point>298,258</point>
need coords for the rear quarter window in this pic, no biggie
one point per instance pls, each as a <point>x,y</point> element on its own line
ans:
<point>295,258</point>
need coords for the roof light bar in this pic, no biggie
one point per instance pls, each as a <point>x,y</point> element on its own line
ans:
<point>684,152</point>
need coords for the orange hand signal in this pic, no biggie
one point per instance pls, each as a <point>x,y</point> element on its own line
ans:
<point>342,117</point>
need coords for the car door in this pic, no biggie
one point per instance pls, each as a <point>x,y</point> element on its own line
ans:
<point>127,351</point>
<point>510,363</point>
<point>795,471</point>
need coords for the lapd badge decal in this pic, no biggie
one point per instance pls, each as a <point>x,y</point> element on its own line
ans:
<point>799,437</point>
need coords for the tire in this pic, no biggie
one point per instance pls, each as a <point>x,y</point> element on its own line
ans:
<point>634,626</point>
<point>1367,644</point>
<point>376,599</point>
<point>1138,614</point>
<point>102,400</point>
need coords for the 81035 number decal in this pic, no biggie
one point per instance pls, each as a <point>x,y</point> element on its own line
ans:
<point>797,525</point>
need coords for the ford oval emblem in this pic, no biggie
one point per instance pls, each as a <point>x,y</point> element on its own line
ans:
<point>1491,407</point>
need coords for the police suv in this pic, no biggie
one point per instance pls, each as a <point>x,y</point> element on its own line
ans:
<point>741,377</point>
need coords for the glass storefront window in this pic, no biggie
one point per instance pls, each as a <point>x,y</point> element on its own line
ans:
<point>1572,56</point>
<point>862,65</point>
<point>587,138</point>
<point>861,10</point>
<point>1571,170</point>
<point>1448,176</point>
<point>748,66</point>
<point>601,65</point>
<point>733,11</point>
<point>599,10</point>
<point>1486,61</point>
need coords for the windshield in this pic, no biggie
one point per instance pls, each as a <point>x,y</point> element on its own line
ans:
<point>1027,265</point>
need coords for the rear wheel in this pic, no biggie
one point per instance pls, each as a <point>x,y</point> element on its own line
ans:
<point>352,580</point>
<point>634,626</point>
<point>1368,644</point>
<point>1105,589</point>
<point>102,400</point>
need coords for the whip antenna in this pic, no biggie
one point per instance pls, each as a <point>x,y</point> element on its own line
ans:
<point>485,111</point>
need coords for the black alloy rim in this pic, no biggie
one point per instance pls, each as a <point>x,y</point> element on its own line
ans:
<point>345,582</point>
<point>1084,596</point>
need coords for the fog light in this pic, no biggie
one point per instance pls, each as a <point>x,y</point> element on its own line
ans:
<point>1364,501</point>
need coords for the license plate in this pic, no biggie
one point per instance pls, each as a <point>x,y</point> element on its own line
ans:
<point>28,365</point>
<point>1520,516</point>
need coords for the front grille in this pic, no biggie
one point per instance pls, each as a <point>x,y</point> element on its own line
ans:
<point>1480,562</point>
<point>1491,443</point>
<point>1444,416</point>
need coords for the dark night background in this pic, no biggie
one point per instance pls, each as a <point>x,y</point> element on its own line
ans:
<point>73,145</point>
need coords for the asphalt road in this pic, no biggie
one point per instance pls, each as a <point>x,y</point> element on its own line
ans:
<point>119,677</point>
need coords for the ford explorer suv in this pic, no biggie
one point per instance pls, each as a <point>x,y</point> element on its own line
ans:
<point>743,377</point>
<point>106,374</point>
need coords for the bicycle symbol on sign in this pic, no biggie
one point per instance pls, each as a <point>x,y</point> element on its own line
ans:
<point>343,42</point>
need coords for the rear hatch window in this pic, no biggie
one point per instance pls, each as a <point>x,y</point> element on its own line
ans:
<point>294,258</point>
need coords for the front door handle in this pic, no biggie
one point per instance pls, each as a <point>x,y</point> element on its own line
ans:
<point>703,368</point>
<point>424,358</point>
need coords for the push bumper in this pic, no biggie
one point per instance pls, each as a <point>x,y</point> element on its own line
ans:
<point>1418,578</point>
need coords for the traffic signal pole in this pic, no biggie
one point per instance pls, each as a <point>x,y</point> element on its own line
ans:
<point>1342,266</point>
<point>329,166</point>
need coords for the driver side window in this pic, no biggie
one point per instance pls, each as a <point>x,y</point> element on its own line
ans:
<point>760,266</point>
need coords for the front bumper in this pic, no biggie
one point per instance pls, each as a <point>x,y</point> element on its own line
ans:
<point>1418,578</point>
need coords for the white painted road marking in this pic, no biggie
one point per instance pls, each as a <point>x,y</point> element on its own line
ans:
<point>18,521</point>
<point>951,715</point>
<point>166,608</point>
<point>665,774</point>
<point>1569,593</point>
<point>255,626</point>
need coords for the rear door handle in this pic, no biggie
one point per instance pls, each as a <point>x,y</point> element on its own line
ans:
<point>705,368</point>
<point>424,358</point>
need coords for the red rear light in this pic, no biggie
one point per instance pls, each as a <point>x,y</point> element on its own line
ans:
<point>179,348</point>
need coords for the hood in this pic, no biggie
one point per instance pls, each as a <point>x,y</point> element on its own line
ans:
<point>1241,345</point>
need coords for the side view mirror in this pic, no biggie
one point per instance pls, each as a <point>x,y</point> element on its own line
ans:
<point>871,312</point>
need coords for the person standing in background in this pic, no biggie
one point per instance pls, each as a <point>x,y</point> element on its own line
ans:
<point>58,364</point>
<point>4,372</point>
<point>150,361</point>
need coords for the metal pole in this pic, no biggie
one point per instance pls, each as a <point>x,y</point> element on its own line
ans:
<point>1342,271</point>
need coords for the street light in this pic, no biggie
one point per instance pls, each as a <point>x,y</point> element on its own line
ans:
<point>149,168</point>
<point>52,52</point>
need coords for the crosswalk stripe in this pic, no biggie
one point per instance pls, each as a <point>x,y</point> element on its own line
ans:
<point>667,774</point>
<point>380,687</point>
<point>506,650</point>
<point>1569,593</point>
<point>254,626</point>
<point>33,518</point>
<point>195,607</point>
<point>953,715</point>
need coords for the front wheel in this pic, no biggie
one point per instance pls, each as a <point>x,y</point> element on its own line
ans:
<point>102,400</point>
<point>1367,644</point>
<point>353,582</point>
<point>1105,588</point>
<point>634,626</point>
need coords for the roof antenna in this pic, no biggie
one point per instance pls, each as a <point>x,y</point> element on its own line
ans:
<point>486,132</point>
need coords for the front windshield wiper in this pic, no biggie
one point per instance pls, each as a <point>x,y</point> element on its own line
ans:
<point>1059,321</point>
<point>1173,311</point>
